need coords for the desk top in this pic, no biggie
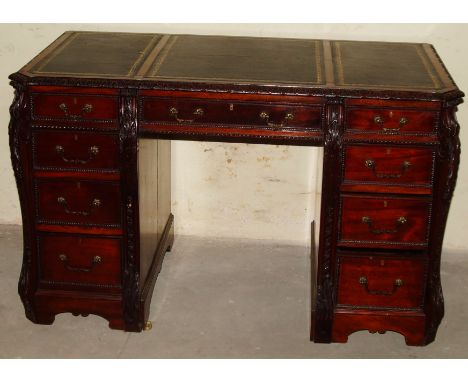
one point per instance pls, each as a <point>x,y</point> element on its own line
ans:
<point>190,61</point>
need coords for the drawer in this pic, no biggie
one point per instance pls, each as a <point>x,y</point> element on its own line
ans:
<point>388,121</point>
<point>381,282</point>
<point>75,150</point>
<point>389,164</point>
<point>380,220</point>
<point>193,111</point>
<point>78,202</point>
<point>80,259</point>
<point>74,107</point>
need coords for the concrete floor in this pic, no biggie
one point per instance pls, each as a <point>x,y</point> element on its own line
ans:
<point>220,299</point>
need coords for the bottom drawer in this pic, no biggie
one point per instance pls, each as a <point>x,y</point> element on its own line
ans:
<point>75,260</point>
<point>381,282</point>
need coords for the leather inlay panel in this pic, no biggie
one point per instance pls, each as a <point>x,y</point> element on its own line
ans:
<point>383,65</point>
<point>103,54</point>
<point>256,59</point>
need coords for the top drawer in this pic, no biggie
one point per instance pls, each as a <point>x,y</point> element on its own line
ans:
<point>74,107</point>
<point>203,112</point>
<point>391,121</point>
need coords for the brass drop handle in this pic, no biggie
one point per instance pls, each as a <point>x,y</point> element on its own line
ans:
<point>288,117</point>
<point>199,112</point>
<point>399,223</point>
<point>396,284</point>
<point>87,108</point>
<point>93,151</point>
<point>379,120</point>
<point>64,259</point>
<point>370,164</point>
<point>96,203</point>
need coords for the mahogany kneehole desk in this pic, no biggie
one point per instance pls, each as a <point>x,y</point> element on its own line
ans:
<point>90,131</point>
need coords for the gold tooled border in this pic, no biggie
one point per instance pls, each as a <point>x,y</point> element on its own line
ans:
<point>419,51</point>
<point>54,54</point>
<point>166,50</point>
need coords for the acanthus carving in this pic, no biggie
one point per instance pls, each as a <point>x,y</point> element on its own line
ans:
<point>19,135</point>
<point>128,146</point>
<point>333,144</point>
<point>450,148</point>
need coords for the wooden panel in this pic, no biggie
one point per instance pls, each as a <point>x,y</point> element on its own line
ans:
<point>388,121</point>
<point>148,202</point>
<point>378,281</point>
<point>76,150</point>
<point>79,202</point>
<point>164,186</point>
<point>410,324</point>
<point>74,107</point>
<point>380,164</point>
<point>80,259</point>
<point>370,220</point>
<point>193,111</point>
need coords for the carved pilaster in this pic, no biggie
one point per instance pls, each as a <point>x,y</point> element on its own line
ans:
<point>333,142</point>
<point>129,178</point>
<point>448,159</point>
<point>20,139</point>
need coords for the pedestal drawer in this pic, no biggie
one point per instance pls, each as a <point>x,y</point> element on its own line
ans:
<point>74,107</point>
<point>391,121</point>
<point>370,221</point>
<point>78,202</point>
<point>381,282</point>
<point>379,164</point>
<point>76,150</point>
<point>66,259</point>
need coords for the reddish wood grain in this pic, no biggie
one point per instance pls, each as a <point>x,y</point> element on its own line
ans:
<point>88,259</point>
<point>384,213</point>
<point>76,150</point>
<point>381,274</point>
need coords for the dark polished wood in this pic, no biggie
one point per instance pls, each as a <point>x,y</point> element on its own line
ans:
<point>90,127</point>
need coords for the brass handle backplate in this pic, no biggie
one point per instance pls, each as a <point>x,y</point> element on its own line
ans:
<point>379,120</point>
<point>87,108</point>
<point>399,223</point>
<point>199,112</point>
<point>288,117</point>
<point>396,284</point>
<point>96,203</point>
<point>370,164</point>
<point>64,259</point>
<point>93,151</point>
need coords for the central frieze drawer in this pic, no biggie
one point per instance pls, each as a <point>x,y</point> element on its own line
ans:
<point>80,259</point>
<point>377,282</point>
<point>370,221</point>
<point>389,165</point>
<point>76,150</point>
<point>192,111</point>
<point>78,202</point>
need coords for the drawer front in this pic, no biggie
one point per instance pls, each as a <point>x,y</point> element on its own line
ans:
<point>74,107</point>
<point>80,259</point>
<point>387,164</point>
<point>384,220</point>
<point>190,111</point>
<point>388,121</point>
<point>375,281</point>
<point>78,202</point>
<point>70,150</point>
